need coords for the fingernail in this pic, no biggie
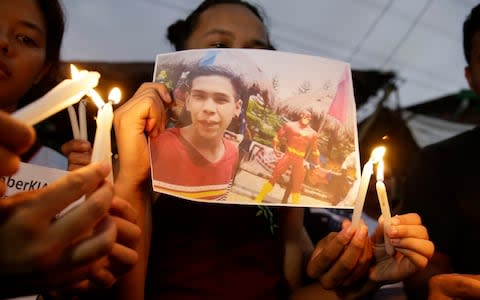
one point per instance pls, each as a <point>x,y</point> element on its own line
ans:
<point>85,145</point>
<point>105,167</point>
<point>395,221</point>
<point>395,242</point>
<point>166,96</point>
<point>392,230</point>
<point>363,232</point>
<point>350,232</point>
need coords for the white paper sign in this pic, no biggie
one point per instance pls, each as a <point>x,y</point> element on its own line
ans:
<point>30,177</point>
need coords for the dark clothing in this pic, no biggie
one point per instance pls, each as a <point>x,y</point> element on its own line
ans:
<point>213,251</point>
<point>443,187</point>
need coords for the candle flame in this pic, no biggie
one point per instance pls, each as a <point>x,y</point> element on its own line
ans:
<point>115,95</point>
<point>377,154</point>
<point>97,99</point>
<point>75,73</point>
<point>377,157</point>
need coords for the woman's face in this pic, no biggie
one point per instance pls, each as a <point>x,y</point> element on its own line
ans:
<point>22,49</point>
<point>228,26</point>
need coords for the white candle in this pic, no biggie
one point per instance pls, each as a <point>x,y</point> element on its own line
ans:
<point>72,114</point>
<point>362,192</point>
<point>367,172</point>
<point>65,94</point>
<point>102,148</point>
<point>384,206</point>
<point>101,151</point>
<point>82,118</point>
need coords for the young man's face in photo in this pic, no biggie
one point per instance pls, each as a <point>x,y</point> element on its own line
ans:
<point>212,104</point>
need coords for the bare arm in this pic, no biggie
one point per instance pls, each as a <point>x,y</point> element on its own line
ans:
<point>132,284</point>
<point>141,116</point>
<point>298,246</point>
<point>418,283</point>
<point>454,286</point>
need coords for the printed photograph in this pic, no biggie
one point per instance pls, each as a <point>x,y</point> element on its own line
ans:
<point>257,127</point>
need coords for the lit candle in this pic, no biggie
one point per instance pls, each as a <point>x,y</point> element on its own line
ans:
<point>362,192</point>
<point>384,206</point>
<point>65,94</point>
<point>102,149</point>
<point>367,172</point>
<point>77,127</point>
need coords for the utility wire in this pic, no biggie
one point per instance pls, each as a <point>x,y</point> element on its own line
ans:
<point>370,30</point>
<point>407,34</point>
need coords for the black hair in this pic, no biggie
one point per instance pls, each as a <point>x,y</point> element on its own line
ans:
<point>237,82</point>
<point>53,15</point>
<point>180,31</point>
<point>470,27</point>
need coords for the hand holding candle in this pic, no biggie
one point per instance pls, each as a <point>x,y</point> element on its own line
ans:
<point>375,158</point>
<point>101,151</point>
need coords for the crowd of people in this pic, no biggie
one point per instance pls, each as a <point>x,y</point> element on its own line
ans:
<point>126,242</point>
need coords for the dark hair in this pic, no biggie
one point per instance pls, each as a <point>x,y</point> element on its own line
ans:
<point>237,82</point>
<point>180,31</point>
<point>470,27</point>
<point>53,15</point>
